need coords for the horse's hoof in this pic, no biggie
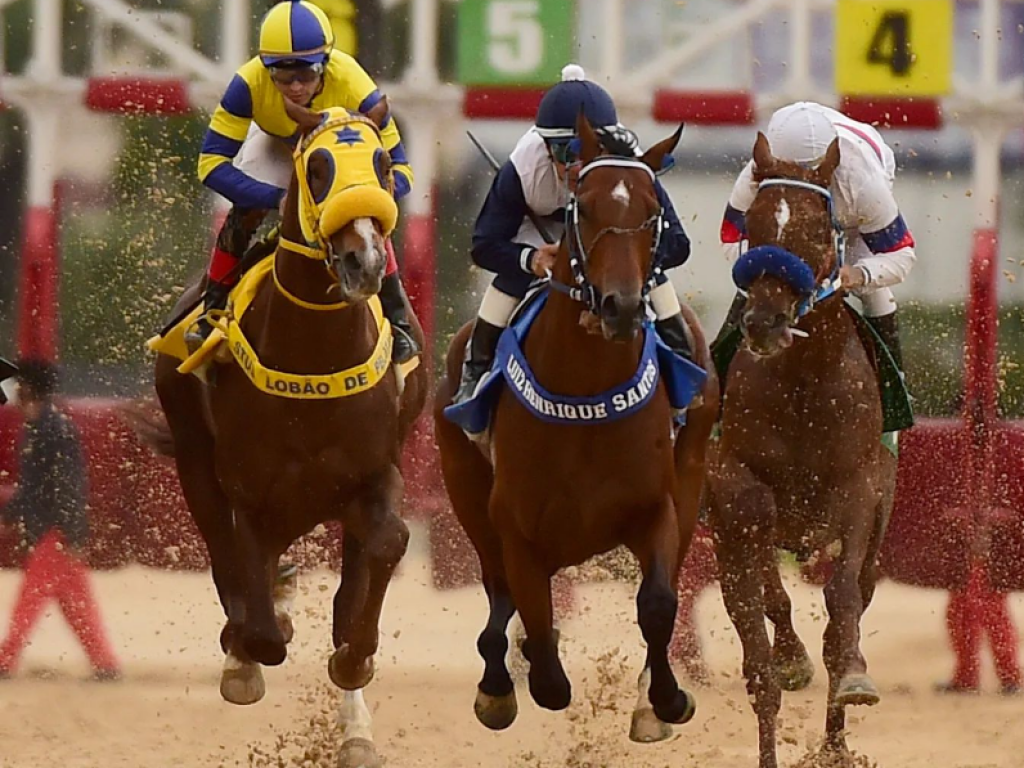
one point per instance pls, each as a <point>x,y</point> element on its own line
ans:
<point>243,685</point>
<point>554,694</point>
<point>646,728</point>
<point>680,710</point>
<point>496,712</point>
<point>794,674</point>
<point>349,674</point>
<point>269,651</point>
<point>856,689</point>
<point>284,623</point>
<point>358,753</point>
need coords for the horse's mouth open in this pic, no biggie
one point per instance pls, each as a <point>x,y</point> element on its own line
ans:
<point>774,344</point>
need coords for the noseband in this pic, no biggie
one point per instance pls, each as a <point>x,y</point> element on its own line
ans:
<point>584,291</point>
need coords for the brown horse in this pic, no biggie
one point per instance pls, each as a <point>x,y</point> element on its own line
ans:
<point>259,470</point>
<point>800,464</point>
<point>554,495</point>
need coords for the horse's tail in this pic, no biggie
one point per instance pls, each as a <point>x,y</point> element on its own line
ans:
<point>146,419</point>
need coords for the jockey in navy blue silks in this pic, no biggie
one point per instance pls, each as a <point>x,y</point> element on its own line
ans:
<point>538,177</point>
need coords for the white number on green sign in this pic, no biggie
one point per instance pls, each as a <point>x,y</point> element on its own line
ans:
<point>516,42</point>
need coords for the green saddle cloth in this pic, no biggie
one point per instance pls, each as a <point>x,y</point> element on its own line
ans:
<point>897,410</point>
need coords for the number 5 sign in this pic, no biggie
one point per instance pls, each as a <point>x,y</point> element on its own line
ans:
<point>894,47</point>
<point>515,42</point>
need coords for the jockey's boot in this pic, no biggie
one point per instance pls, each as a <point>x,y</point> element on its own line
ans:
<point>216,297</point>
<point>888,327</point>
<point>392,301</point>
<point>480,350</point>
<point>732,318</point>
<point>673,332</point>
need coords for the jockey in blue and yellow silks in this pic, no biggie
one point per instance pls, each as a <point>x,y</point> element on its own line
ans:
<point>246,157</point>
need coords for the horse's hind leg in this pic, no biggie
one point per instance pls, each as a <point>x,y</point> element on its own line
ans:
<point>530,584</point>
<point>793,666</point>
<point>383,537</point>
<point>658,551</point>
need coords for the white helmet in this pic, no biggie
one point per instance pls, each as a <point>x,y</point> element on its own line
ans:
<point>800,133</point>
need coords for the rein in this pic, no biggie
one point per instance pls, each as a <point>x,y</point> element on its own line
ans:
<point>584,291</point>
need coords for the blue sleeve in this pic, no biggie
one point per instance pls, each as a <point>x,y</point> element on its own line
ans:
<point>242,190</point>
<point>494,246</point>
<point>674,249</point>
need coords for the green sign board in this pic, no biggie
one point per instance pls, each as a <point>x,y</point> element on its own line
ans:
<point>515,42</point>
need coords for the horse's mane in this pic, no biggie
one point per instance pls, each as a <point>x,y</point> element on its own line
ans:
<point>619,143</point>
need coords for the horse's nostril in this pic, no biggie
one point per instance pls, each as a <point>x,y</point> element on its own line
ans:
<point>780,320</point>
<point>609,308</point>
<point>350,262</point>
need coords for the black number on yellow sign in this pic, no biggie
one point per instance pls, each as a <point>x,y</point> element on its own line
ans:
<point>890,44</point>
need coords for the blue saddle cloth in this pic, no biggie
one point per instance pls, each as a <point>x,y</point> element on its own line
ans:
<point>683,380</point>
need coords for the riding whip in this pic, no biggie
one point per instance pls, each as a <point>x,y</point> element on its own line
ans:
<point>534,219</point>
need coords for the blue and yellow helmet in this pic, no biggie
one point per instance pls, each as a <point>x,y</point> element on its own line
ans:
<point>295,31</point>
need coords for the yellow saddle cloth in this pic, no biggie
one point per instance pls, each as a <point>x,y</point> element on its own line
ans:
<point>227,332</point>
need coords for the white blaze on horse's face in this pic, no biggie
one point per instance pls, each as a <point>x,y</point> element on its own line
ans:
<point>621,193</point>
<point>781,217</point>
<point>360,259</point>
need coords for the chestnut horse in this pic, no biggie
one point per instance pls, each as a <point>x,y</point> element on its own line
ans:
<point>259,470</point>
<point>800,465</point>
<point>554,494</point>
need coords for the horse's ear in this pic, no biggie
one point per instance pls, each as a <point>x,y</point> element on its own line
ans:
<point>654,158</point>
<point>826,170</point>
<point>307,119</point>
<point>590,143</point>
<point>764,160</point>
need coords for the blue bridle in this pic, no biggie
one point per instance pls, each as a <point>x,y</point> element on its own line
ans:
<point>770,259</point>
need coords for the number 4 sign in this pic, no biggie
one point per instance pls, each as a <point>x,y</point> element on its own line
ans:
<point>515,42</point>
<point>894,47</point>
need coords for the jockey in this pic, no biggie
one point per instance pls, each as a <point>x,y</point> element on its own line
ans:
<point>538,177</point>
<point>245,154</point>
<point>880,247</point>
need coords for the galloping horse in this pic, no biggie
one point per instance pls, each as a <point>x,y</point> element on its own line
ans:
<point>800,465</point>
<point>555,494</point>
<point>258,470</point>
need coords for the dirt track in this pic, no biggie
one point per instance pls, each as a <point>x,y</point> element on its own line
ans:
<point>167,712</point>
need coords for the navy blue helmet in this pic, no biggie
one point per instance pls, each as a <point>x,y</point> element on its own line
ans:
<point>556,116</point>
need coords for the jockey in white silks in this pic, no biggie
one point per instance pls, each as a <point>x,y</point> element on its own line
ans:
<point>539,177</point>
<point>880,248</point>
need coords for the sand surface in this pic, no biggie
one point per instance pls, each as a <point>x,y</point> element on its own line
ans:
<point>167,712</point>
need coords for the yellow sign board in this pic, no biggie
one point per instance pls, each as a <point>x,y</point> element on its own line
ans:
<point>894,47</point>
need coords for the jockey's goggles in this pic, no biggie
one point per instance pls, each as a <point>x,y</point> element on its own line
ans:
<point>564,152</point>
<point>305,74</point>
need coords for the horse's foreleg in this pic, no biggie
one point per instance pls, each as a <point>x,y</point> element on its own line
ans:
<point>495,704</point>
<point>357,749</point>
<point>658,551</point>
<point>384,537</point>
<point>530,583</point>
<point>743,526</point>
<point>285,587</point>
<point>793,667</point>
<point>262,638</point>
<point>351,595</point>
